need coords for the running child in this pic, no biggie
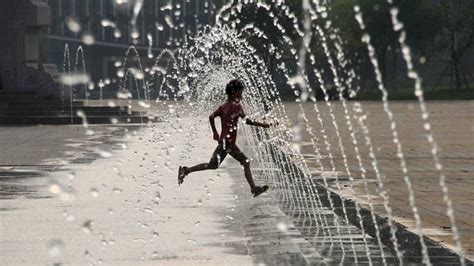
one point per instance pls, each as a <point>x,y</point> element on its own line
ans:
<point>229,113</point>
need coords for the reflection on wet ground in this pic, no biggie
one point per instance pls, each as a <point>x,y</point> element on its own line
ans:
<point>30,181</point>
<point>332,225</point>
<point>337,240</point>
<point>17,182</point>
<point>451,122</point>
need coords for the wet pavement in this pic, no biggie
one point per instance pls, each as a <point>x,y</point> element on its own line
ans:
<point>126,207</point>
<point>453,126</point>
<point>112,198</point>
<point>29,154</point>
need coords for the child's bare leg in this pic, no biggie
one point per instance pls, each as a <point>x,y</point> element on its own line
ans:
<point>245,162</point>
<point>200,167</point>
<point>217,157</point>
<point>248,175</point>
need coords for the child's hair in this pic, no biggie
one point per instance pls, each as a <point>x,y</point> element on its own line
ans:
<point>233,86</point>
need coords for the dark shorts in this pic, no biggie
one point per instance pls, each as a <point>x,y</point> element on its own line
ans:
<point>220,153</point>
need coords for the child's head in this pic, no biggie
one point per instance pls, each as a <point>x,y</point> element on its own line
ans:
<point>234,89</point>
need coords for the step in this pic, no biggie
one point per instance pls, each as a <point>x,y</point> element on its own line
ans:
<point>101,108</point>
<point>18,106</point>
<point>46,120</point>
<point>27,98</point>
<point>67,113</point>
<point>16,92</point>
<point>66,109</point>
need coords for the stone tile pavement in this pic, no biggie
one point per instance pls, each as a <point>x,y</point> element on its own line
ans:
<point>124,207</point>
<point>453,126</point>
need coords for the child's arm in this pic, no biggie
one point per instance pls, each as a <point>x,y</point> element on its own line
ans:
<point>249,121</point>
<point>213,126</point>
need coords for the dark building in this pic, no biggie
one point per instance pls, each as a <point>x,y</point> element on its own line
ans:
<point>34,34</point>
<point>21,36</point>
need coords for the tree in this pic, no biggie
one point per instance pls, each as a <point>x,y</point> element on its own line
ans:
<point>418,16</point>
<point>456,37</point>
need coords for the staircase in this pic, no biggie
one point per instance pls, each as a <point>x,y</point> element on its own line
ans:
<point>28,108</point>
<point>52,70</point>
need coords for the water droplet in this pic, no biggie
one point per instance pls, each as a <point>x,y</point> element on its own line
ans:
<point>117,190</point>
<point>71,176</point>
<point>107,23</point>
<point>135,33</point>
<point>70,218</point>
<point>94,192</point>
<point>104,154</point>
<point>169,21</point>
<point>144,104</point>
<point>87,226</point>
<point>282,227</point>
<point>159,26</point>
<point>55,247</point>
<point>139,75</point>
<point>117,33</point>
<point>73,24</point>
<point>88,39</point>
<point>55,189</point>
<point>101,84</point>
<point>197,223</point>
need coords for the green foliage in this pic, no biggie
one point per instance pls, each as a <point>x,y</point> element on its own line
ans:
<point>457,18</point>
<point>220,3</point>
<point>444,30</point>
<point>456,37</point>
<point>419,18</point>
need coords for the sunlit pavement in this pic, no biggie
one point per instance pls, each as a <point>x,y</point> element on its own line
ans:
<point>123,206</point>
<point>113,197</point>
<point>454,137</point>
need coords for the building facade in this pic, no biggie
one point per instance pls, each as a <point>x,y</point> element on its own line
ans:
<point>166,22</point>
<point>113,24</point>
<point>21,33</point>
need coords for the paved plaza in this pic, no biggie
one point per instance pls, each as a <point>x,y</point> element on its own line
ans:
<point>112,197</point>
<point>453,126</point>
<point>106,105</point>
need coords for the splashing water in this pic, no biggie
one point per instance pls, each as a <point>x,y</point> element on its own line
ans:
<point>196,72</point>
<point>55,247</point>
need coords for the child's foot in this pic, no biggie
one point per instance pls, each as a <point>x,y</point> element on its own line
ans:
<point>182,172</point>
<point>259,190</point>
